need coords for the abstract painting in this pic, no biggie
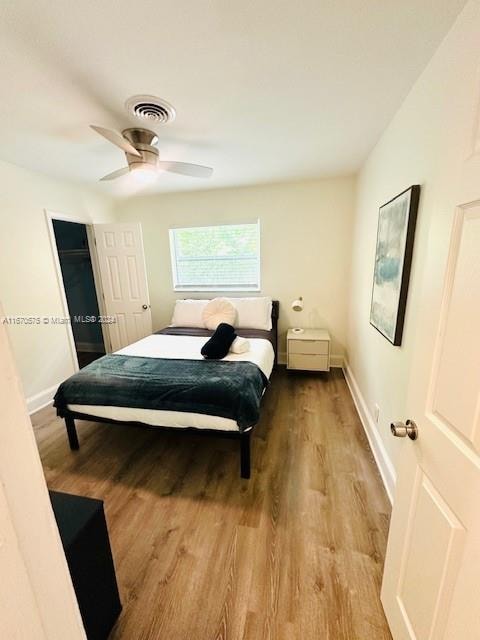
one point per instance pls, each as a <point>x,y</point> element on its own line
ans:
<point>393,259</point>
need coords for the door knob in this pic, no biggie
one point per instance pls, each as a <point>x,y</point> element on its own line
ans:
<point>145,306</point>
<point>401,429</point>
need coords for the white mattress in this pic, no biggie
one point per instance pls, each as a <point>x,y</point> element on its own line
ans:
<point>186,348</point>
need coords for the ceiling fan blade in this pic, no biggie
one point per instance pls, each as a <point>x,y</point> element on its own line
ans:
<point>117,139</point>
<point>185,168</point>
<point>115,174</point>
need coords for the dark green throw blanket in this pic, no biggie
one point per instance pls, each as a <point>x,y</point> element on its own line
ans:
<point>219,388</point>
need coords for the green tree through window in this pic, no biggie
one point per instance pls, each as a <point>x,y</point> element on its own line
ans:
<point>216,258</point>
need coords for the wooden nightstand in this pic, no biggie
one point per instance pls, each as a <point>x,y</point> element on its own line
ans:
<point>309,350</point>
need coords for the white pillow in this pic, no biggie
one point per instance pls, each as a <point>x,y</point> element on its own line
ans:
<point>240,345</point>
<point>188,313</point>
<point>253,313</point>
<point>217,311</point>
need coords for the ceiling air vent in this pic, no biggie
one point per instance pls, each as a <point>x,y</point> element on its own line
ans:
<point>150,108</point>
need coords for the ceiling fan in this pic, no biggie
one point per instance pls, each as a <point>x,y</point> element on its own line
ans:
<point>142,154</point>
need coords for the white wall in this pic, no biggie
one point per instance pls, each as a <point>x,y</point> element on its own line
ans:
<point>426,143</point>
<point>37,600</point>
<point>28,280</point>
<point>305,245</point>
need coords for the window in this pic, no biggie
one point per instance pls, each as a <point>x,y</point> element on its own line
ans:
<point>220,258</point>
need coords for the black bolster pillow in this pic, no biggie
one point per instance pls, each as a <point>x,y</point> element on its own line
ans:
<point>219,344</point>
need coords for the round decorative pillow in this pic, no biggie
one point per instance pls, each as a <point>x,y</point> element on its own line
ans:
<point>217,311</point>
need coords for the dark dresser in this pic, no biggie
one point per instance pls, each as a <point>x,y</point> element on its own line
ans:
<point>83,530</point>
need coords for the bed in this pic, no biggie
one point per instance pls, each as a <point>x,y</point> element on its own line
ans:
<point>162,382</point>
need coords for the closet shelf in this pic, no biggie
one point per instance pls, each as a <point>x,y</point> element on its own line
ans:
<point>74,252</point>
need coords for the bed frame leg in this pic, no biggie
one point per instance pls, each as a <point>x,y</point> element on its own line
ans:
<point>72,433</point>
<point>245,455</point>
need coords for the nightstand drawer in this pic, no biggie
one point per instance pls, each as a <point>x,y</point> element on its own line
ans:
<point>319,347</point>
<point>308,362</point>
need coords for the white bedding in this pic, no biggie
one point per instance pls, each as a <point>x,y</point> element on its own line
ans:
<point>185,348</point>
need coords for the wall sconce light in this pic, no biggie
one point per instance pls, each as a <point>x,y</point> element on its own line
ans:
<point>297,305</point>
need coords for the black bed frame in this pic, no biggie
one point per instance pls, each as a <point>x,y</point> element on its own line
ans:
<point>242,437</point>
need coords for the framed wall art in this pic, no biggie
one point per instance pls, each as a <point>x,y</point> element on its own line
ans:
<point>393,260</point>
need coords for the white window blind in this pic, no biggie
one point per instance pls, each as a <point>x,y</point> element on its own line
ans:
<point>224,257</point>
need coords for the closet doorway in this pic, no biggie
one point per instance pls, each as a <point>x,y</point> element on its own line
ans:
<point>77,271</point>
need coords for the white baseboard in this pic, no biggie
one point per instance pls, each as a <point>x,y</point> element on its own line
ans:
<point>384,464</point>
<point>40,400</point>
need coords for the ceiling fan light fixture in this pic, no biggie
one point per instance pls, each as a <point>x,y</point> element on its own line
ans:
<point>139,146</point>
<point>143,173</point>
<point>143,166</point>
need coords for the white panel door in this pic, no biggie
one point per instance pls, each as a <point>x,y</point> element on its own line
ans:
<point>37,600</point>
<point>124,281</point>
<point>432,571</point>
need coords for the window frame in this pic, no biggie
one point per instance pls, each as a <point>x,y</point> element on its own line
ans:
<point>212,287</point>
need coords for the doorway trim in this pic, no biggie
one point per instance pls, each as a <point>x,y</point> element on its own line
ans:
<point>85,219</point>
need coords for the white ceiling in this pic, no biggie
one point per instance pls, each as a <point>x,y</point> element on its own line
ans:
<point>265,90</point>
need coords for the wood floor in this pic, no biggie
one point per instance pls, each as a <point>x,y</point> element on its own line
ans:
<point>295,553</point>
